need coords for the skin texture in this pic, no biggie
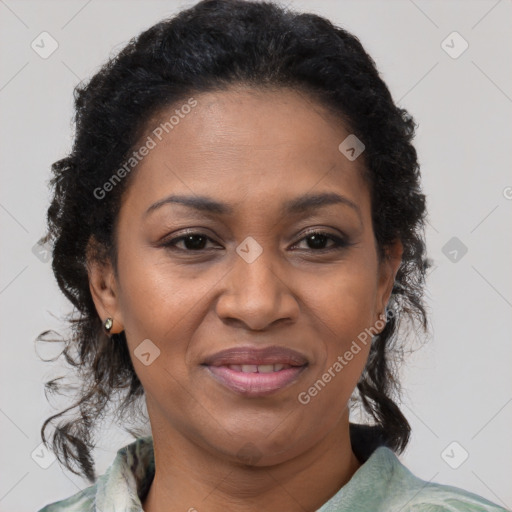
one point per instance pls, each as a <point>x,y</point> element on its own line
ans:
<point>253,150</point>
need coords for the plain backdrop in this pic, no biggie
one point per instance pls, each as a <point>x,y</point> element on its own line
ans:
<point>458,393</point>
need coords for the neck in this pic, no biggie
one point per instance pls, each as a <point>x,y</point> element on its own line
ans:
<point>189,478</point>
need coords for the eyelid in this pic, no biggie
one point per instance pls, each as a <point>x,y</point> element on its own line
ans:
<point>340,240</point>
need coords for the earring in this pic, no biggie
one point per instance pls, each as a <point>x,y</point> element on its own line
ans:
<point>108,324</point>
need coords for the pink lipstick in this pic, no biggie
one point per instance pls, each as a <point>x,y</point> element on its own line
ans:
<point>256,372</point>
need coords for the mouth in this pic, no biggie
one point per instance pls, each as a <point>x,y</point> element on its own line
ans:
<point>256,372</point>
<point>257,368</point>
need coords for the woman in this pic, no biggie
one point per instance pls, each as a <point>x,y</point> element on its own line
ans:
<point>240,227</point>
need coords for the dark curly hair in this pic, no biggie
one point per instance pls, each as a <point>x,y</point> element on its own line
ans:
<point>212,46</point>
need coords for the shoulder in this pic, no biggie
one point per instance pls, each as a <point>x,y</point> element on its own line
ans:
<point>445,498</point>
<point>118,488</point>
<point>408,493</point>
<point>82,501</point>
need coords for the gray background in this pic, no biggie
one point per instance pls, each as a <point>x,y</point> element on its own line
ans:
<point>458,387</point>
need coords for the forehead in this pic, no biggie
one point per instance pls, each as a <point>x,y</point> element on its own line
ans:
<point>244,142</point>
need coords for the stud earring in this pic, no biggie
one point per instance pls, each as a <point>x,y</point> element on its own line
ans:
<point>108,325</point>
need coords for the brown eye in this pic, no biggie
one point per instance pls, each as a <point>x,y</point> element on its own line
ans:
<point>191,241</point>
<point>317,241</point>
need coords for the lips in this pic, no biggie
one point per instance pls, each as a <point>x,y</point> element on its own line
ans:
<point>256,372</point>
<point>258,368</point>
<point>251,356</point>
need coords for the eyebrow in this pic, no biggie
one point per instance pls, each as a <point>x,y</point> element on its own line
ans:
<point>300,204</point>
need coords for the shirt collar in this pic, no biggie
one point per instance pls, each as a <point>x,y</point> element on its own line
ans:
<point>126,482</point>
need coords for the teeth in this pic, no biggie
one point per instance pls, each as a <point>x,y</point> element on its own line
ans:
<point>262,368</point>
<point>249,368</point>
<point>265,368</point>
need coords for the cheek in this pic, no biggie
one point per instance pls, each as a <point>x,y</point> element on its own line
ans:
<point>160,304</point>
<point>153,300</point>
<point>156,316</point>
<point>344,314</point>
<point>344,298</point>
<point>332,382</point>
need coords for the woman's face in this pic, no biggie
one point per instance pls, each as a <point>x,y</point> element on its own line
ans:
<point>251,275</point>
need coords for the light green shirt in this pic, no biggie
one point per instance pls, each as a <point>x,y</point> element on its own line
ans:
<point>382,483</point>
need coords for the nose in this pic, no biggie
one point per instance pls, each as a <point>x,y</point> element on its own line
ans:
<point>257,293</point>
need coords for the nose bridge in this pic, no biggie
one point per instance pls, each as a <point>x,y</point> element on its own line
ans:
<point>254,265</point>
<point>254,292</point>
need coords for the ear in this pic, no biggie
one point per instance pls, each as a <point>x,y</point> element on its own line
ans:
<point>103,286</point>
<point>388,268</point>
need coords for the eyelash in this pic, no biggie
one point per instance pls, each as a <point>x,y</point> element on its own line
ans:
<point>340,243</point>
